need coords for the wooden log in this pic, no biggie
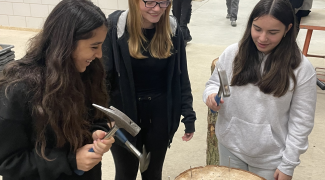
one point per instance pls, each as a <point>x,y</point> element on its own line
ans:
<point>212,141</point>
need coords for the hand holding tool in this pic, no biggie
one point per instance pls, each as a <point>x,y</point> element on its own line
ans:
<point>224,86</point>
<point>126,123</point>
<point>121,121</point>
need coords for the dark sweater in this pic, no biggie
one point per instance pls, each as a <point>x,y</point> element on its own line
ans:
<point>149,74</point>
<point>18,158</point>
<point>121,86</point>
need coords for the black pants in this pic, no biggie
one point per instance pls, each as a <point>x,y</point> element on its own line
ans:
<point>152,115</point>
<point>298,19</point>
<point>299,15</point>
<point>182,10</point>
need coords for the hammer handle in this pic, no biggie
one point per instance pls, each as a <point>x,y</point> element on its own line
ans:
<point>114,130</point>
<point>120,136</point>
<point>321,84</point>
<point>217,98</point>
<point>80,172</point>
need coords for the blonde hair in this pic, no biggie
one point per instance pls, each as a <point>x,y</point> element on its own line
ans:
<point>160,45</point>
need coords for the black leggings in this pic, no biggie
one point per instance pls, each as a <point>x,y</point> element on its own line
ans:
<point>152,115</point>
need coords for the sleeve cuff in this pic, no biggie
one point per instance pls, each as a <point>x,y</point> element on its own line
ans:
<point>286,168</point>
<point>72,160</point>
<point>189,127</point>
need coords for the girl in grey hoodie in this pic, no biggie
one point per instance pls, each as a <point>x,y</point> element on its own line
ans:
<point>264,125</point>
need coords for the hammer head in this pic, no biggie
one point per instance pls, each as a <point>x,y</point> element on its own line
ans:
<point>144,160</point>
<point>224,85</point>
<point>121,120</point>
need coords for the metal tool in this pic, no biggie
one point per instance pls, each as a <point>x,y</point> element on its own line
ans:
<point>121,121</point>
<point>144,158</point>
<point>130,127</point>
<point>229,165</point>
<point>224,86</point>
<point>320,84</point>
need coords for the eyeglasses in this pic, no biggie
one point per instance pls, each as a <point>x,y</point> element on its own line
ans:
<point>152,4</point>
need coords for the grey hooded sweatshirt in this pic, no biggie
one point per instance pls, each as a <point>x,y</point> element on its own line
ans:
<point>265,131</point>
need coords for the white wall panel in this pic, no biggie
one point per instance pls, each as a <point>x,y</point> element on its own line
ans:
<point>34,22</point>
<point>21,9</point>
<point>39,10</point>
<point>33,1</point>
<point>17,21</point>
<point>32,13</point>
<point>4,21</point>
<point>6,8</point>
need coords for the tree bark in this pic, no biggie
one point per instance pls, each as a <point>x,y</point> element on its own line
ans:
<point>212,141</point>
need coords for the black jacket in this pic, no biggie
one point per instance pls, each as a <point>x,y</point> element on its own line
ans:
<point>117,61</point>
<point>18,158</point>
<point>296,3</point>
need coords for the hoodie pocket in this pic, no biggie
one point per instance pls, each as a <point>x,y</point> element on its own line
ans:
<point>250,139</point>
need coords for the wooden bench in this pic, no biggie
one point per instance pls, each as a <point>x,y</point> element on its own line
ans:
<point>314,21</point>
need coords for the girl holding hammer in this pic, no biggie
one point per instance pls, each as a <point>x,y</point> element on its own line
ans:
<point>47,123</point>
<point>263,126</point>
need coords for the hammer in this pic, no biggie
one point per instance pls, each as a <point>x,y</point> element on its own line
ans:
<point>224,86</point>
<point>320,84</point>
<point>144,158</point>
<point>123,121</point>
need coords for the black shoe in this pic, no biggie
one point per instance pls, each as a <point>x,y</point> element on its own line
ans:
<point>188,39</point>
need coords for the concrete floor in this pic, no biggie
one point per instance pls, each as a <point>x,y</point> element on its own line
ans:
<point>212,33</point>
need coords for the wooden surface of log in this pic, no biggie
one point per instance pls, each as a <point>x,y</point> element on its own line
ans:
<point>212,141</point>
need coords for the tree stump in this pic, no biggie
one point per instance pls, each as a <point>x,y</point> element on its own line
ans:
<point>212,141</point>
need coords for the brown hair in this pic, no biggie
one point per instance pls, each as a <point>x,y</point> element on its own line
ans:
<point>61,96</point>
<point>281,62</point>
<point>160,45</point>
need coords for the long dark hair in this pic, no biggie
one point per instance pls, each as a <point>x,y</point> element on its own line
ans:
<point>61,96</point>
<point>281,62</point>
